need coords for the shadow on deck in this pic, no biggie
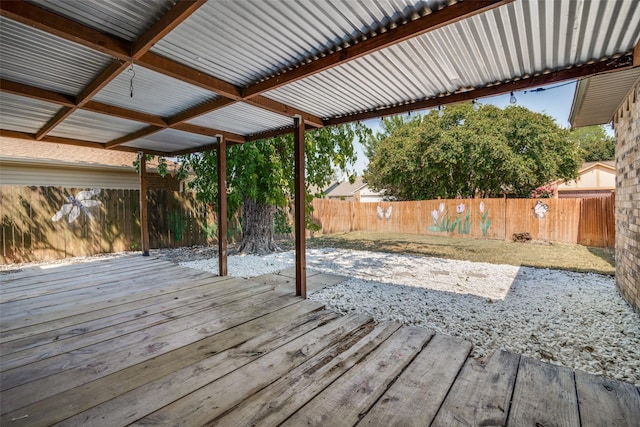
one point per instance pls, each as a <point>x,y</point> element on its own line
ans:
<point>145,342</point>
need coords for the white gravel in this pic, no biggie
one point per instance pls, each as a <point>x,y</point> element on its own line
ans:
<point>571,319</point>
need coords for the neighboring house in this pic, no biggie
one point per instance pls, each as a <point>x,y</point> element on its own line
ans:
<point>595,179</point>
<point>359,191</point>
<point>45,164</point>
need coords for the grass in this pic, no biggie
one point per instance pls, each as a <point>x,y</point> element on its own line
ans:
<point>544,255</point>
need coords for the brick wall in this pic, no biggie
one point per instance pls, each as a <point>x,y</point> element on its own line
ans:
<point>627,128</point>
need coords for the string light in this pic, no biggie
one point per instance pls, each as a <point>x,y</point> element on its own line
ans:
<point>475,104</point>
<point>512,99</point>
<point>440,111</point>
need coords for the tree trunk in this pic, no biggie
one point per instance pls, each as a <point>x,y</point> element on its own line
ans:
<point>257,228</point>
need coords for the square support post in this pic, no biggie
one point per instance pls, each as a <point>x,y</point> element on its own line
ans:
<point>299,206</point>
<point>144,219</point>
<point>222,206</point>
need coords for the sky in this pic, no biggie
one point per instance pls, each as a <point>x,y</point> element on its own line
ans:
<point>554,101</point>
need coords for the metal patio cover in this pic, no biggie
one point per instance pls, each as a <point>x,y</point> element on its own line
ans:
<point>169,77</point>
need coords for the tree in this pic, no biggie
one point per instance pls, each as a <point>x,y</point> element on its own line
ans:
<point>260,177</point>
<point>594,143</point>
<point>467,153</point>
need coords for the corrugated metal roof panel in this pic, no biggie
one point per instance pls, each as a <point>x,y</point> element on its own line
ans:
<point>243,119</point>
<point>36,58</point>
<point>517,40</point>
<point>597,98</point>
<point>153,93</point>
<point>169,140</point>
<point>127,20</point>
<point>247,41</point>
<point>89,126</point>
<point>24,114</point>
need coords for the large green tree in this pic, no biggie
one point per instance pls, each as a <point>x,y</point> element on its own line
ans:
<point>594,143</point>
<point>468,153</point>
<point>260,177</point>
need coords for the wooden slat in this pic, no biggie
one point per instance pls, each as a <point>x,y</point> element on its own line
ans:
<point>86,325</point>
<point>84,366</point>
<point>544,395</point>
<point>605,401</point>
<point>481,395</point>
<point>345,401</point>
<point>213,350</point>
<point>212,400</point>
<point>274,404</point>
<point>415,397</point>
<point>168,311</point>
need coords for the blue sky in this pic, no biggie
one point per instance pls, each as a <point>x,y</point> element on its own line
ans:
<point>555,101</point>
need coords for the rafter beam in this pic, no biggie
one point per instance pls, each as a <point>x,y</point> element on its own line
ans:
<point>285,110</point>
<point>124,113</point>
<point>44,20</point>
<point>59,117</point>
<point>176,122</point>
<point>150,130</point>
<point>200,110</point>
<point>189,75</point>
<point>606,66</point>
<point>35,93</point>
<point>174,17</point>
<point>137,52</point>
<point>636,55</point>
<point>438,19</point>
<point>107,75</point>
<point>201,130</point>
<point>75,142</point>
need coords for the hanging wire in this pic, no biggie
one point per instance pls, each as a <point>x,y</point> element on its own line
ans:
<point>133,74</point>
<point>542,89</point>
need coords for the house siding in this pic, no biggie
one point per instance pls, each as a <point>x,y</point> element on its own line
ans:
<point>48,175</point>
<point>627,129</point>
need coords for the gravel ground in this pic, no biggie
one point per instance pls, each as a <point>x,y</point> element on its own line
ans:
<point>572,319</point>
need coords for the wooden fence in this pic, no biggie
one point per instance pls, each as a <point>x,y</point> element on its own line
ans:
<point>29,232</point>
<point>584,221</point>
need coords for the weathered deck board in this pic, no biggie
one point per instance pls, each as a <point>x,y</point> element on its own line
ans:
<point>275,403</point>
<point>606,402</point>
<point>416,396</point>
<point>544,395</point>
<point>137,340</point>
<point>345,401</point>
<point>482,393</point>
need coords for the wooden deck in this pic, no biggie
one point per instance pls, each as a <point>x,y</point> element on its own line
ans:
<point>139,341</point>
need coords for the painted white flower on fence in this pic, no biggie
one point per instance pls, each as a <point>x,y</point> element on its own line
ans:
<point>540,209</point>
<point>384,213</point>
<point>481,206</point>
<point>434,215</point>
<point>460,208</point>
<point>441,207</point>
<point>80,202</point>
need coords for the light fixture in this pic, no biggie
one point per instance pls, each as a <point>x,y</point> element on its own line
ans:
<point>475,104</point>
<point>512,99</point>
<point>440,111</point>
